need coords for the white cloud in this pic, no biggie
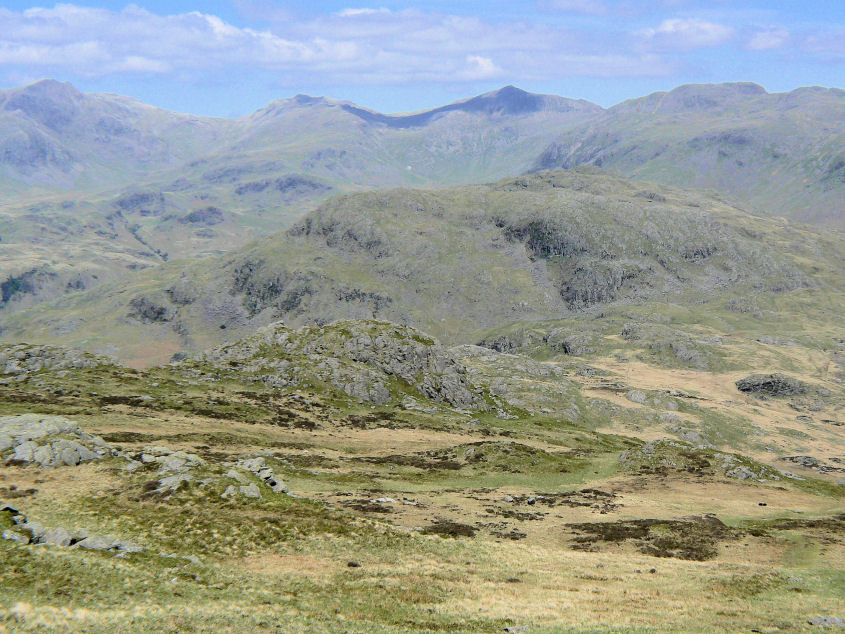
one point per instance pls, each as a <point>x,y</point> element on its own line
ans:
<point>688,33</point>
<point>773,37</point>
<point>366,45</point>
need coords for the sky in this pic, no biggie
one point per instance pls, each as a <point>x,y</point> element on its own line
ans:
<point>231,57</point>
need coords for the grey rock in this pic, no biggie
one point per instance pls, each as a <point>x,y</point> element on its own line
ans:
<point>238,476</point>
<point>56,537</point>
<point>250,491</point>
<point>70,456</point>
<point>95,542</point>
<point>827,621</point>
<point>772,385</point>
<point>742,473</point>
<point>15,537</point>
<point>5,443</point>
<point>230,492</point>
<point>44,456</point>
<point>637,396</point>
<point>171,483</point>
<point>25,451</point>
<point>133,465</point>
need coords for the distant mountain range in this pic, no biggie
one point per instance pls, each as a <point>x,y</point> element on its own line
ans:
<point>94,186</point>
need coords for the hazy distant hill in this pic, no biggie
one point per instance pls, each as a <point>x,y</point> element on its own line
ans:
<point>783,153</point>
<point>456,262</point>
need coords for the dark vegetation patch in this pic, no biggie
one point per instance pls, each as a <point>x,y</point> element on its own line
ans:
<point>484,456</point>
<point>368,506</point>
<point>290,187</point>
<point>694,539</point>
<point>26,283</point>
<point>12,492</point>
<point>206,216</point>
<point>446,528</point>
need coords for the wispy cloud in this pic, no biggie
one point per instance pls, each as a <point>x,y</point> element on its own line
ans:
<point>688,33</point>
<point>769,38</point>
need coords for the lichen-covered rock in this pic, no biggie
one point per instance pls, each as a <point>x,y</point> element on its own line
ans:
<point>49,441</point>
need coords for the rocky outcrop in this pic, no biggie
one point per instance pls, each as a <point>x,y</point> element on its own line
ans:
<point>48,441</point>
<point>772,385</point>
<point>21,360</point>
<point>368,360</point>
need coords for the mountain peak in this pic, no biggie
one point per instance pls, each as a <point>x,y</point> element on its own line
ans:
<point>49,89</point>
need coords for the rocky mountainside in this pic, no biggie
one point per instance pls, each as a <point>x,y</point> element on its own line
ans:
<point>52,135</point>
<point>778,153</point>
<point>457,262</point>
<point>97,185</point>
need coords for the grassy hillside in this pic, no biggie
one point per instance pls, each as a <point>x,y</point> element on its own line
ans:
<point>581,245</point>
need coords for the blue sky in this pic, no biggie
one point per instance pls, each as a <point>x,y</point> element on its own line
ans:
<point>230,57</point>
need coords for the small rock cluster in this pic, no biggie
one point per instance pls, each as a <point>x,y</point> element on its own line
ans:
<point>49,441</point>
<point>28,532</point>
<point>259,467</point>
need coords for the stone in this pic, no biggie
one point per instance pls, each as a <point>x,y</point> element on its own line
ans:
<point>70,456</point>
<point>133,465</point>
<point>43,455</point>
<point>230,492</point>
<point>5,442</point>
<point>95,542</point>
<point>250,491</point>
<point>16,537</point>
<point>172,463</point>
<point>827,621</point>
<point>742,473</point>
<point>171,483</point>
<point>238,476</point>
<point>25,451</point>
<point>277,486</point>
<point>56,537</point>
<point>637,396</point>
<point>771,385</point>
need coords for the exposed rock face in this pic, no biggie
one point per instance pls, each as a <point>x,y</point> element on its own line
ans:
<point>49,441</point>
<point>364,359</point>
<point>772,385</point>
<point>22,360</point>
